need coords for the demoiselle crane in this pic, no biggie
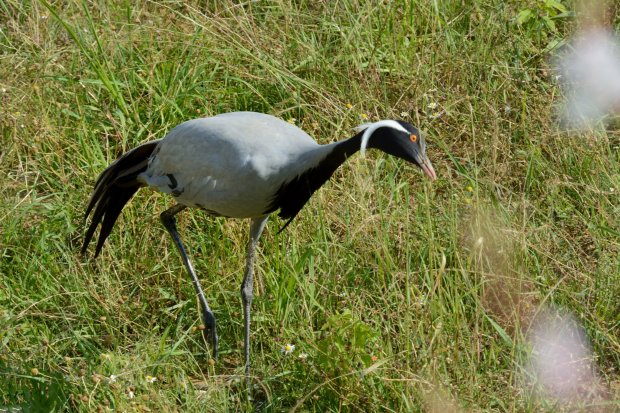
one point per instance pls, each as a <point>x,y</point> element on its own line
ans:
<point>238,165</point>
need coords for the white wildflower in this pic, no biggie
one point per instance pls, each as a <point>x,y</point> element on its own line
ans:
<point>288,349</point>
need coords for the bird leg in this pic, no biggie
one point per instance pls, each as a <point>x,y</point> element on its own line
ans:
<point>247,287</point>
<point>210,332</point>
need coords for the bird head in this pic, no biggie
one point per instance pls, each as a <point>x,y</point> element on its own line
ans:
<point>400,139</point>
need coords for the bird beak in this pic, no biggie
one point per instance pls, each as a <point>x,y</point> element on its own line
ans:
<point>428,169</point>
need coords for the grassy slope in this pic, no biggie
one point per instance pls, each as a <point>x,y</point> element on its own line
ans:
<point>380,263</point>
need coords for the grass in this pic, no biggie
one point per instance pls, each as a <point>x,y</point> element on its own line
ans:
<point>405,295</point>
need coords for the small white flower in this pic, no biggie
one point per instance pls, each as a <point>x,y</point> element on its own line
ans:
<point>151,379</point>
<point>303,356</point>
<point>422,301</point>
<point>507,109</point>
<point>288,349</point>
<point>112,379</point>
<point>612,189</point>
<point>432,105</point>
<point>130,394</point>
<point>3,90</point>
<point>404,115</point>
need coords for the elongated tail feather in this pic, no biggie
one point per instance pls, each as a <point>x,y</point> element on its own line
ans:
<point>113,189</point>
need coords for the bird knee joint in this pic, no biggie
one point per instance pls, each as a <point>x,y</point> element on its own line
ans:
<point>247,293</point>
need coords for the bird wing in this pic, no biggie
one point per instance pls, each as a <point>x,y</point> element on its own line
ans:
<point>231,164</point>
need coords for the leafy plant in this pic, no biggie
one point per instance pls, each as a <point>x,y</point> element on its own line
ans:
<point>344,344</point>
<point>539,21</point>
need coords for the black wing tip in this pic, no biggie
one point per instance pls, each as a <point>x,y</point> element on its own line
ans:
<point>84,251</point>
<point>87,238</point>
<point>113,189</point>
<point>89,208</point>
<point>98,250</point>
<point>290,219</point>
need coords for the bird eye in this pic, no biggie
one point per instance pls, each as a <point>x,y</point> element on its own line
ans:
<point>413,138</point>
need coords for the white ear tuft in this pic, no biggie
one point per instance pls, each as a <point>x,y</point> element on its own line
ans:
<point>370,128</point>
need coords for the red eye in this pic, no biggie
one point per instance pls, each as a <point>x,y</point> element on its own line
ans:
<point>413,138</point>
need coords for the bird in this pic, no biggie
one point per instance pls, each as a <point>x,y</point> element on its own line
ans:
<point>244,165</point>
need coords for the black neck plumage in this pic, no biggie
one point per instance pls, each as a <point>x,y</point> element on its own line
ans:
<point>292,195</point>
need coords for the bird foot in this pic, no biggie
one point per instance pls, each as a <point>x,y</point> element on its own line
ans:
<point>210,332</point>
